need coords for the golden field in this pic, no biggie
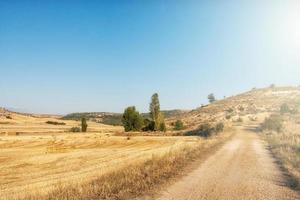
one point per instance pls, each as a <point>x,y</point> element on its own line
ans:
<point>40,163</point>
<point>14,123</point>
<point>37,158</point>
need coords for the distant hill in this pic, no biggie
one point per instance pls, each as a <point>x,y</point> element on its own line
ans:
<point>99,117</point>
<point>115,118</point>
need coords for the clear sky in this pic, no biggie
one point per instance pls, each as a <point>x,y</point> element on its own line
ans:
<point>72,56</point>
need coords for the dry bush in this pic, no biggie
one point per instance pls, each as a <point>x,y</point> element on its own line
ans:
<point>272,123</point>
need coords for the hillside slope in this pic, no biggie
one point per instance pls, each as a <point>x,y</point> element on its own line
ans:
<point>246,105</point>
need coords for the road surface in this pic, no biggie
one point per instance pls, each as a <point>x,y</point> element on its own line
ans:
<point>242,169</point>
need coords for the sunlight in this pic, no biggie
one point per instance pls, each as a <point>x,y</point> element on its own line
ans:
<point>291,27</point>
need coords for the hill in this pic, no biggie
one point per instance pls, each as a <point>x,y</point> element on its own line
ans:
<point>12,123</point>
<point>246,106</point>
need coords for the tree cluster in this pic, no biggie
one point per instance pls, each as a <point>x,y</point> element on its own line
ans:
<point>133,121</point>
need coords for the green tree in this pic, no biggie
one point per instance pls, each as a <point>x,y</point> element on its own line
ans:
<point>83,125</point>
<point>178,125</point>
<point>155,113</point>
<point>132,120</point>
<point>211,98</point>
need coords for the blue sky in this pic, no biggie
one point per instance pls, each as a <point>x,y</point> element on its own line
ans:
<point>73,56</point>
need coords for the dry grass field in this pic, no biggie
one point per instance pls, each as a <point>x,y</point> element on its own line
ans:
<point>285,146</point>
<point>20,124</point>
<point>38,159</point>
<point>40,163</point>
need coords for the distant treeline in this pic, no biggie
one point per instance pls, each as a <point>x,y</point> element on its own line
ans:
<point>114,119</point>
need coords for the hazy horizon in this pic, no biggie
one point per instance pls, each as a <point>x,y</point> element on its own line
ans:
<point>64,57</point>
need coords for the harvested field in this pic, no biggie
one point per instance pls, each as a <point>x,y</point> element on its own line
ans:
<point>39,163</point>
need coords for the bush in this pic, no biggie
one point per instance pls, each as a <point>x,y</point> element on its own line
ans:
<point>75,129</point>
<point>230,110</point>
<point>162,127</point>
<point>55,123</point>
<point>8,117</point>
<point>132,120</point>
<point>240,119</point>
<point>284,108</point>
<point>149,125</point>
<point>219,127</point>
<point>273,123</point>
<point>178,125</point>
<point>204,130</point>
<point>241,108</point>
<point>83,125</point>
<point>228,117</point>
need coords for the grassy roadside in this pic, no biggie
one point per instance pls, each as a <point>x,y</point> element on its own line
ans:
<point>285,147</point>
<point>137,178</point>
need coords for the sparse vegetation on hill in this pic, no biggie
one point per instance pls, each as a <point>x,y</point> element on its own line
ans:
<point>284,108</point>
<point>256,101</point>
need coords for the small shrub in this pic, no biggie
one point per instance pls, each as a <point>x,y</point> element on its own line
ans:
<point>219,127</point>
<point>284,108</point>
<point>273,123</point>
<point>252,118</point>
<point>178,125</point>
<point>230,110</point>
<point>240,119</point>
<point>228,117</point>
<point>241,108</point>
<point>8,117</point>
<point>55,123</point>
<point>204,130</point>
<point>75,129</point>
<point>162,127</point>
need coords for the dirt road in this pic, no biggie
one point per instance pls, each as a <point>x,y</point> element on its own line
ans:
<point>242,169</point>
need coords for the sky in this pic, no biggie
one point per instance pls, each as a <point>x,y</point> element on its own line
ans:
<point>59,57</point>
